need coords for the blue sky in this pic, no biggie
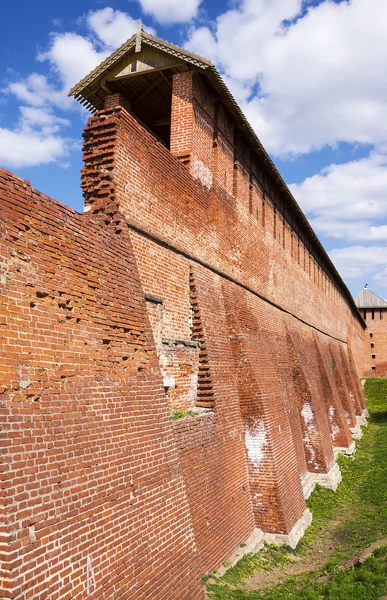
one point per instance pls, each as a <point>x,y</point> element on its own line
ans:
<point>308,75</point>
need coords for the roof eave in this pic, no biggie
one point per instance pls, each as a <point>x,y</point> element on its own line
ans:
<point>208,68</point>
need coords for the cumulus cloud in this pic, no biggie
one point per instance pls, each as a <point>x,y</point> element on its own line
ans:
<point>29,148</point>
<point>112,27</point>
<point>71,57</point>
<point>36,90</point>
<point>35,140</point>
<point>44,119</point>
<point>359,261</point>
<point>347,200</point>
<point>171,11</point>
<point>317,75</point>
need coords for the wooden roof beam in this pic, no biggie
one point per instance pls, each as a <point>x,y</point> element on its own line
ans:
<point>147,72</point>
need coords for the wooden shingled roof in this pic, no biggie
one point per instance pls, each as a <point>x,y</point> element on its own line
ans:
<point>367,299</point>
<point>145,62</point>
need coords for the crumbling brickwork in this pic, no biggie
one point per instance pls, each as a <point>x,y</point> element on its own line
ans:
<point>183,289</point>
<point>94,503</point>
<point>275,336</point>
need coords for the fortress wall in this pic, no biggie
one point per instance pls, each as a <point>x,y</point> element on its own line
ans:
<point>211,446</point>
<point>93,495</point>
<point>182,288</point>
<point>180,227</point>
<point>160,198</point>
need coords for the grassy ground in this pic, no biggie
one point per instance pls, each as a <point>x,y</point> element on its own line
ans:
<point>344,524</point>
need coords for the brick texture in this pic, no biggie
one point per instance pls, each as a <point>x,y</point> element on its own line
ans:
<point>375,343</point>
<point>182,287</point>
<point>95,504</point>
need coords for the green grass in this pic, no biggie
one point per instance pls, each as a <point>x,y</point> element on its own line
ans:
<point>181,414</point>
<point>360,507</point>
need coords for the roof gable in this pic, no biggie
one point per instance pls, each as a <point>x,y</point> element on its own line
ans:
<point>144,49</point>
<point>367,299</point>
<point>148,59</point>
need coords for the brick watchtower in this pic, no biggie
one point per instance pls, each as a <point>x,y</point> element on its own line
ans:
<point>374,311</point>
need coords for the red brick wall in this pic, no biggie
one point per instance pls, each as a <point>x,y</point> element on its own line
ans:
<point>277,337</point>
<point>211,446</point>
<point>378,328</point>
<point>93,495</point>
<point>181,287</point>
<point>210,225</point>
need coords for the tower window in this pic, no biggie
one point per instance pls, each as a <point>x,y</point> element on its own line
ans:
<point>373,356</point>
<point>371,335</point>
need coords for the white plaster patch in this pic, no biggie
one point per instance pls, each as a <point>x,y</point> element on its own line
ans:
<point>307,413</point>
<point>257,501</point>
<point>308,417</point>
<point>169,381</point>
<point>194,386</point>
<point>335,429</point>
<point>24,377</point>
<point>201,172</point>
<point>90,576</point>
<point>5,265</point>
<point>255,441</point>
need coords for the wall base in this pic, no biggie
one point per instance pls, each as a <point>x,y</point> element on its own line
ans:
<point>254,543</point>
<point>308,483</point>
<point>329,480</point>
<point>362,421</point>
<point>292,538</point>
<point>350,451</point>
<point>257,539</point>
<point>356,432</point>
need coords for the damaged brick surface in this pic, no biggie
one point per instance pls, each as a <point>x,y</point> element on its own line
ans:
<point>89,493</point>
<point>182,287</point>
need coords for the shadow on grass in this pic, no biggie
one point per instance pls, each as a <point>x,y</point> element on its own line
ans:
<point>379,417</point>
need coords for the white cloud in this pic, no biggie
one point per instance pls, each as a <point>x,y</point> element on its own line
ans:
<point>360,261</point>
<point>44,119</point>
<point>347,200</point>
<point>35,140</point>
<point>71,57</point>
<point>171,11</point>
<point>37,91</point>
<point>319,77</point>
<point>30,148</point>
<point>112,27</point>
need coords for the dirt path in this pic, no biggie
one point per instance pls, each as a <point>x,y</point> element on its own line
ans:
<point>316,557</point>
